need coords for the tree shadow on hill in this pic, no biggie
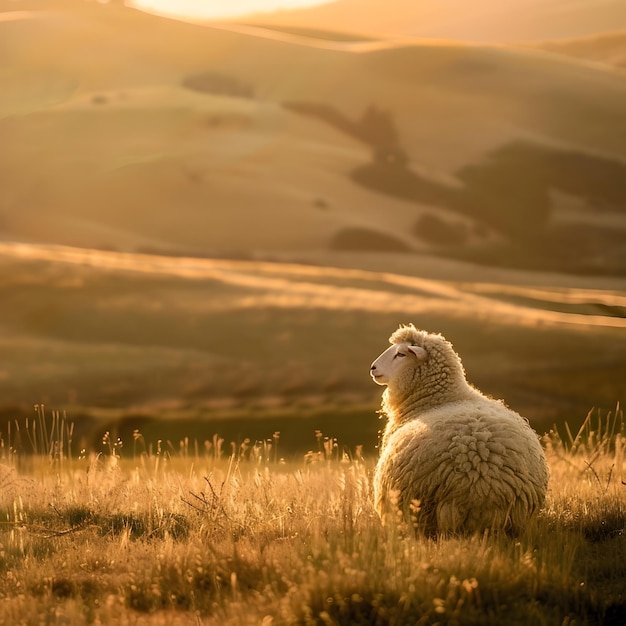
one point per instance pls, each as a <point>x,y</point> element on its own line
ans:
<point>214,83</point>
<point>508,192</point>
<point>375,128</point>
<point>504,202</point>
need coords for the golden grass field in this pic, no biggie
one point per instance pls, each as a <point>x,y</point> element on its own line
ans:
<point>191,344</point>
<point>209,536</point>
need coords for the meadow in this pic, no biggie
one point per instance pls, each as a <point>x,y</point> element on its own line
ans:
<point>220,535</point>
<point>181,345</point>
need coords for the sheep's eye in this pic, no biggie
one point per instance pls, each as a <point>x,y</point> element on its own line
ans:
<point>399,354</point>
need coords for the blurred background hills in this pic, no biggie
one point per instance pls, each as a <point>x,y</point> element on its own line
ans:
<point>229,218</point>
<point>483,21</point>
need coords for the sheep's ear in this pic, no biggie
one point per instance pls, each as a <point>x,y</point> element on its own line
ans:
<point>419,353</point>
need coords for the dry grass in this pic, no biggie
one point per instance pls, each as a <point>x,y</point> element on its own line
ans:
<point>108,335</point>
<point>177,539</point>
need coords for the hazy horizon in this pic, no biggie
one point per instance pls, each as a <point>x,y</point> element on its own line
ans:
<point>216,9</point>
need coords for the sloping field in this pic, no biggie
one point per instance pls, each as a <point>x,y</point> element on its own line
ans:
<point>104,335</point>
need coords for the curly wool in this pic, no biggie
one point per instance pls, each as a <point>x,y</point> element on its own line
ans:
<point>441,380</point>
<point>469,462</point>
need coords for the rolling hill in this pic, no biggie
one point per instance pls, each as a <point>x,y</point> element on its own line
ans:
<point>478,21</point>
<point>127,131</point>
<point>606,48</point>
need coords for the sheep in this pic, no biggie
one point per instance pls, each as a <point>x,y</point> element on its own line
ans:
<point>452,460</point>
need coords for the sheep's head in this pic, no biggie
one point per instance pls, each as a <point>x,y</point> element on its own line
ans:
<point>417,360</point>
<point>399,357</point>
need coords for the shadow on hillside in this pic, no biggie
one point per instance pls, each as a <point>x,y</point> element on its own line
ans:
<point>218,84</point>
<point>375,127</point>
<point>509,193</point>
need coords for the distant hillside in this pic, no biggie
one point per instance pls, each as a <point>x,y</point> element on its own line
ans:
<point>104,334</point>
<point>126,131</point>
<point>609,48</point>
<point>477,21</point>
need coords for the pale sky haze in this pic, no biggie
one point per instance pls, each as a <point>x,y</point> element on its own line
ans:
<point>219,8</point>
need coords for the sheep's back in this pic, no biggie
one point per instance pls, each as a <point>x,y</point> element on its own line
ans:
<point>471,465</point>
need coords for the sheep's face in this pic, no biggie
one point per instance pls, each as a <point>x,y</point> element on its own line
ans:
<point>394,360</point>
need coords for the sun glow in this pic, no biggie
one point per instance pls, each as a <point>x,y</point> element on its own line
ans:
<point>218,8</point>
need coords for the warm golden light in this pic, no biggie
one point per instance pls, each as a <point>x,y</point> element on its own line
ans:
<point>213,9</point>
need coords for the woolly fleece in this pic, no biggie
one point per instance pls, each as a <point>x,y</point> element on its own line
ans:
<point>467,461</point>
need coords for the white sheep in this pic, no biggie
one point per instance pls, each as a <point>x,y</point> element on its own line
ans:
<point>451,459</point>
